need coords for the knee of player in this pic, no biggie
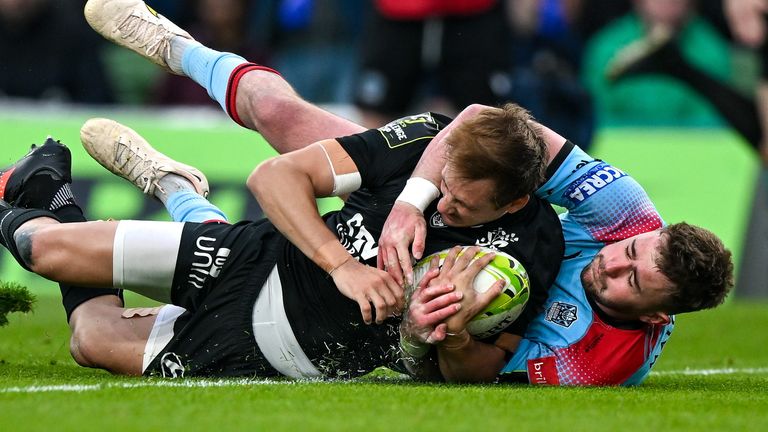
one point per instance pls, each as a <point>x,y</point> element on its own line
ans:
<point>85,344</point>
<point>272,110</point>
<point>28,245</point>
<point>42,251</point>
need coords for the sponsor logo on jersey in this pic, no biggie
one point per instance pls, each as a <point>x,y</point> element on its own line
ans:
<point>356,238</point>
<point>497,239</point>
<point>436,220</point>
<point>543,371</point>
<point>405,131</point>
<point>206,263</point>
<point>592,182</point>
<point>170,366</point>
<point>562,314</point>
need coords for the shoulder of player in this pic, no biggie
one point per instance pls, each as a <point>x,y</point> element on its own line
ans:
<point>413,129</point>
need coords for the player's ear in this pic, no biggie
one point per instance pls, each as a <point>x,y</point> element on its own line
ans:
<point>517,204</point>
<point>656,318</point>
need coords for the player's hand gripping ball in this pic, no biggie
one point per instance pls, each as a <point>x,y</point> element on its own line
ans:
<point>505,308</point>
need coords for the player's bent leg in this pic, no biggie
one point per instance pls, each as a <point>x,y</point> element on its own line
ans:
<point>257,97</point>
<point>136,255</point>
<point>267,103</point>
<point>125,153</point>
<point>243,89</point>
<point>105,336</point>
<point>38,185</point>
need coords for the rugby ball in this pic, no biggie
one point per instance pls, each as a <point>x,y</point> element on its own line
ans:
<point>505,308</point>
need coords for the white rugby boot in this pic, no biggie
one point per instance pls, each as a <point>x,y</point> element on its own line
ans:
<point>125,153</point>
<point>136,26</point>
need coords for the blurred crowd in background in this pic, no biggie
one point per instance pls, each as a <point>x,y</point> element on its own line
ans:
<point>576,64</point>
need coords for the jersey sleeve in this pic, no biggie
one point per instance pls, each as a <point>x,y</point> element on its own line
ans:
<point>393,150</point>
<point>602,356</point>
<point>602,199</point>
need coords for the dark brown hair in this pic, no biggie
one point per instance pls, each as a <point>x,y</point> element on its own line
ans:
<point>502,145</point>
<point>698,265</point>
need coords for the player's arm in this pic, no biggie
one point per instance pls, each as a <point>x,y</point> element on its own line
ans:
<point>404,232</point>
<point>473,361</point>
<point>286,187</point>
<point>464,359</point>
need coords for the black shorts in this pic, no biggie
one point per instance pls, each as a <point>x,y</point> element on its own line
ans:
<point>474,64</point>
<point>219,273</point>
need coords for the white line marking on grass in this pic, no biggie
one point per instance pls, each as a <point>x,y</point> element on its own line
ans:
<point>705,372</point>
<point>51,388</point>
<point>77,388</point>
<point>148,383</point>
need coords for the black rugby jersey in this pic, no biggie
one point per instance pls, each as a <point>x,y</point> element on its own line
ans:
<point>327,324</point>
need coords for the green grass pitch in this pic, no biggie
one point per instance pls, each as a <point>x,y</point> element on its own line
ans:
<point>713,374</point>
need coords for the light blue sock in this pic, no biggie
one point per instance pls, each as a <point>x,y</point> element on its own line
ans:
<point>188,206</point>
<point>211,69</point>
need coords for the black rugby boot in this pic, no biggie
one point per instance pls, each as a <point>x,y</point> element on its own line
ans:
<point>39,180</point>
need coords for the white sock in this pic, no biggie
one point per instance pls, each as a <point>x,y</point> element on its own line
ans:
<point>170,184</point>
<point>178,46</point>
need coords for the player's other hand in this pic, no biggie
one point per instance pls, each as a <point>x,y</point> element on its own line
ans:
<point>430,305</point>
<point>460,271</point>
<point>404,229</point>
<point>372,289</point>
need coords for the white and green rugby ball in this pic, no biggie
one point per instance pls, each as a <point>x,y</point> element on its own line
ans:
<point>505,308</point>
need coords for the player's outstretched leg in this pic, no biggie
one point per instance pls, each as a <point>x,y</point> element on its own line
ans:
<point>100,337</point>
<point>254,96</point>
<point>40,183</point>
<point>121,150</point>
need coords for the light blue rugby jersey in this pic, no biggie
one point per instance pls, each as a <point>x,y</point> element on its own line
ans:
<point>569,344</point>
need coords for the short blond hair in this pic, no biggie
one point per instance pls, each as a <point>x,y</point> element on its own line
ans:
<point>503,145</point>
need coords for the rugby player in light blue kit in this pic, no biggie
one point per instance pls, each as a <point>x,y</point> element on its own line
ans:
<point>611,310</point>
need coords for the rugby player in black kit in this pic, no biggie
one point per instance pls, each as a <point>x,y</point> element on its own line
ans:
<point>296,294</point>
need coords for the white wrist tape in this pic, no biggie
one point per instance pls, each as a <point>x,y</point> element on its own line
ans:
<point>419,192</point>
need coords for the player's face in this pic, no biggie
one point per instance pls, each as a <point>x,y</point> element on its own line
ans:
<point>467,202</point>
<point>623,278</point>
